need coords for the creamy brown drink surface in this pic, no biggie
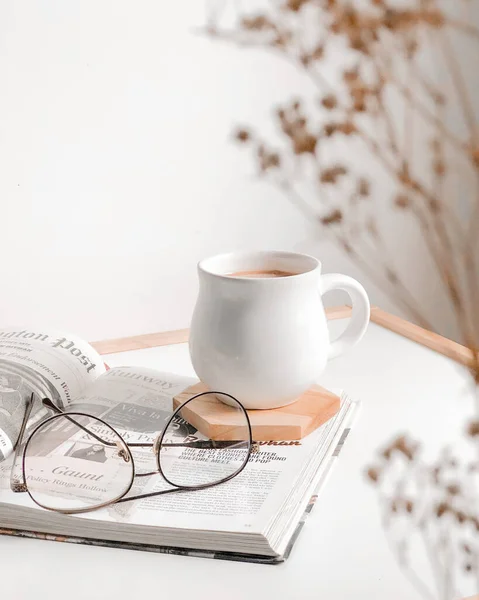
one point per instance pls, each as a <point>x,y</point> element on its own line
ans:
<point>259,274</point>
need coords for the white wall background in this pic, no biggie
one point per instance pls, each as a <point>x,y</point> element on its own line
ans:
<point>117,170</point>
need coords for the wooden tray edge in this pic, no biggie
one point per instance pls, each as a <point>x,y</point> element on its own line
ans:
<point>178,336</point>
<point>398,325</point>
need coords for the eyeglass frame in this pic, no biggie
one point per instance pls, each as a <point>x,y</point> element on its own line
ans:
<point>22,486</point>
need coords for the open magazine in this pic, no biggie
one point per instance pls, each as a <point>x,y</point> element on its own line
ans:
<point>255,516</point>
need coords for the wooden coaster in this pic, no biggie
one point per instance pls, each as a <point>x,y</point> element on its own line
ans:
<point>293,422</point>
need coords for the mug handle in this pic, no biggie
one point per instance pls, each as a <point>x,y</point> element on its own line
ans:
<point>361,310</point>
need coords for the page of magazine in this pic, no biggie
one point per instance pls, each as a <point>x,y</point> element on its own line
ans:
<point>137,403</point>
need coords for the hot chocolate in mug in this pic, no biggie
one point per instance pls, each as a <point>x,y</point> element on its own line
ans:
<point>259,330</point>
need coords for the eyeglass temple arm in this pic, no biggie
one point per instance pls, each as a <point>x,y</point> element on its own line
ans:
<point>16,474</point>
<point>49,404</point>
<point>26,416</point>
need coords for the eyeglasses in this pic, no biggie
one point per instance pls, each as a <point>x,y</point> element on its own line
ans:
<point>74,462</point>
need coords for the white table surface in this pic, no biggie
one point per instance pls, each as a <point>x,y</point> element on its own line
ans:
<point>341,553</point>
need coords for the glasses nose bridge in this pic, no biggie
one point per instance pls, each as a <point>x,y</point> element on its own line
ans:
<point>155,449</point>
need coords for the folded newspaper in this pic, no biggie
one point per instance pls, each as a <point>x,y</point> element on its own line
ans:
<point>254,517</point>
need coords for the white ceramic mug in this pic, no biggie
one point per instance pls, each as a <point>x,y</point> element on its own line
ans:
<point>265,340</point>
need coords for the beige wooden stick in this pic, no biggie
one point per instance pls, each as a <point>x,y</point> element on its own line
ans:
<point>431,340</point>
<point>166,338</point>
<point>140,342</point>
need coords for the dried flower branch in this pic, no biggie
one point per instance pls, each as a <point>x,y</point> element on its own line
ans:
<point>386,46</point>
<point>369,32</point>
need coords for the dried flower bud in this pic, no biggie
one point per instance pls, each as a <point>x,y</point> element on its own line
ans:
<point>363,188</point>
<point>401,201</point>
<point>330,129</point>
<point>359,106</point>
<point>460,516</point>
<point>270,160</point>
<point>304,142</point>
<point>468,567</point>
<point>347,128</point>
<point>318,52</point>
<point>305,59</point>
<point>358,43</point>
<point>332,174</point>
<point>386,453</point>
<point>467,548</point>
<point>405,447</point>
<point>453,489</point>
<point>267,158</point>
<point>393,18</point>
<point>243,135</point>
<point>358,91</point>
<point>330,102</point>
<point>473,428</point>
<point>435,18</point>
<point>335,27</point>
<point>373,474</point>
<point>257,23</point>
<point>333,218</point>
<point>295,5</point>
<point>281,40</point>
<point>351,75</point>
<point>441,509</point>
<point>409,506</point>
